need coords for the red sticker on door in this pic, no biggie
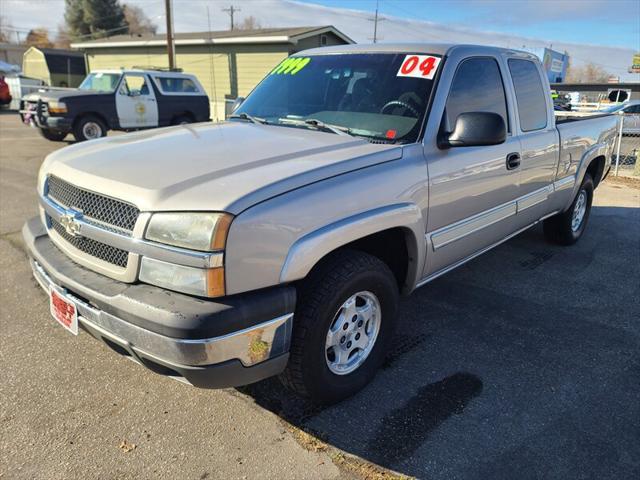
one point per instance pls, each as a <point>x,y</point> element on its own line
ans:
<point>419,66</point>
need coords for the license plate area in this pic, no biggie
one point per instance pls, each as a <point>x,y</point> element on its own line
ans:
<point>63,310</point>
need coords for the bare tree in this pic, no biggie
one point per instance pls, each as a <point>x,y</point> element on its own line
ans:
<point>138,22</point>
<point>588,73</point>
<point>38,37</point>
<point>248,23</point>
<point>63,38</point>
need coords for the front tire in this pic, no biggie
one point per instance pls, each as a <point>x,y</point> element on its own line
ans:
<point>89,127</point>
<point>52,135</point>
<point>343,325</point>
<point>567,227</point>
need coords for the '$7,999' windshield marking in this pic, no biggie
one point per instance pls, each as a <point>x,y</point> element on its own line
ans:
<point>291,66</point>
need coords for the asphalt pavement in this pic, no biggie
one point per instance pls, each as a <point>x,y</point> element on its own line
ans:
<point>524,363</point>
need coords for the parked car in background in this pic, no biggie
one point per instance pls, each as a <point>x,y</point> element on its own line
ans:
<point>279,242</point>
<point>19,86</point>
<point>631,116</point>
<point>5,94</point>
<point>116,100</point>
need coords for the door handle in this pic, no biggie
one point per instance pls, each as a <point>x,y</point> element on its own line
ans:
<point>513,161</point>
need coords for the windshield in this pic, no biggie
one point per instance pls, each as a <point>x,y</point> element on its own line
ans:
<point>378,96</point>
<point>100,82</point>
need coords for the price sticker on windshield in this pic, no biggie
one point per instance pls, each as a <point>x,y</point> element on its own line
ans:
<point>419,66</point>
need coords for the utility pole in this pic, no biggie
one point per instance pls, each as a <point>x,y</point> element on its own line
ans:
<point>171,48</point>
<point>375,21</point>
<point>231,10</point>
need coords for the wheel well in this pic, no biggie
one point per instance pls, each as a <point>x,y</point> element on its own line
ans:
<point>186,113</point>
<point>595,169</point>
<point>90,114</point>
<point>390,246</point>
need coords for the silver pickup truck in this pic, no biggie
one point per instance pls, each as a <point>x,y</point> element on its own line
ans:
<point>278,242</point>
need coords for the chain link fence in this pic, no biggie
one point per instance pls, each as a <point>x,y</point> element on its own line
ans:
<point>626,157</point>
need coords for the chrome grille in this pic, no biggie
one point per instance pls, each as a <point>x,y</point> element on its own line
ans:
<point>92,247</point>
<point>102,210</point>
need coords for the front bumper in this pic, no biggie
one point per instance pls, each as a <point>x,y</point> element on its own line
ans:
<point>212,344</point>
<point>38,119</point>
<point>61,124</point>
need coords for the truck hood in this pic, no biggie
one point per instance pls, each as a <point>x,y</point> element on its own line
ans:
<point>60,95</point>
<point>224,167</point>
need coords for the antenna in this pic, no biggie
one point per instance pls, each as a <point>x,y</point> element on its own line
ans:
<point>375,21</point>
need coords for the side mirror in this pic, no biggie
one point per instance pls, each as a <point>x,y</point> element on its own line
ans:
<point>475,129</point>
<point>236,104</point>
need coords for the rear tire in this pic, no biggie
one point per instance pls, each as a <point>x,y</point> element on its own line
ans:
<point>343,324</point>
<point>52,135</point>
<point>89,127</point>
<point>567,227</point>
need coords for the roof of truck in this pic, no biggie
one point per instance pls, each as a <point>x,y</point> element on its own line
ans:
<point>427,48</point>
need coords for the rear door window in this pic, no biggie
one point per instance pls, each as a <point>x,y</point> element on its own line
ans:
<point>530,96</point>
<point>177,85</point>
<point>476,87</point>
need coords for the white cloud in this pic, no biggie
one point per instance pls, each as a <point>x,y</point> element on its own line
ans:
<point>191,15</point>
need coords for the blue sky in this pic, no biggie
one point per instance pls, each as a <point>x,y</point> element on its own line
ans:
<point>600,22</point>
<point>603,32</point>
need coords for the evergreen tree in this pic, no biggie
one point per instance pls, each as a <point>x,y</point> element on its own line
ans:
<point>74,18</point>
<point>95,18</point>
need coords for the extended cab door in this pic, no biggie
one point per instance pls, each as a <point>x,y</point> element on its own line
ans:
<point>539,139</point>
<point>136,102</point>
<point>472,190</point>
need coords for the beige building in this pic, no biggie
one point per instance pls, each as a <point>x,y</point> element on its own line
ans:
<point>55,67</point>
<point>228,64</point>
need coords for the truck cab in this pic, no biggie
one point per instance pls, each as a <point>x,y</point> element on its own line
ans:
<point>116,100</point>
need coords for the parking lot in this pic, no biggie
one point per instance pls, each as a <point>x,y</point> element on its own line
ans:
<point>524,363</point>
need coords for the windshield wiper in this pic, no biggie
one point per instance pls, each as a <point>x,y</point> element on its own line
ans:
<point>251,118</point>
<point>327,127</point>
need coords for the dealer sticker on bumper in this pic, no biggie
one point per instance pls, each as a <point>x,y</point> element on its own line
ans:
<point>63,310</point>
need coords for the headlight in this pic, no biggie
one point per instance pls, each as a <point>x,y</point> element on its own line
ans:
<point>203,231</point>
<point>196,231</point>
<point>204,282</point>
<point>57,107</point>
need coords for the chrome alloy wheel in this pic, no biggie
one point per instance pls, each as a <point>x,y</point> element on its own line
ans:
<point>579,210</point>
<point>91,130</point>
<point>353,333</point>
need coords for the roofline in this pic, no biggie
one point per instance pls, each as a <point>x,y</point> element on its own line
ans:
<point>58,51</point>
<point>293,39</point>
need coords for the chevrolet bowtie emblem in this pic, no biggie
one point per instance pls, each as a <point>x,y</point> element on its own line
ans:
<point>69,221</point>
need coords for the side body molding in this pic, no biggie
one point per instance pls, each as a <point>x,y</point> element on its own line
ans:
<point>308,250</point>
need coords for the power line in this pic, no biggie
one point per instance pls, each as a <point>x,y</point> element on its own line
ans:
<point>231,10</point>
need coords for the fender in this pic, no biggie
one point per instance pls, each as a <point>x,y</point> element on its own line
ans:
<point>598,150</point>
<point>307,251</point>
